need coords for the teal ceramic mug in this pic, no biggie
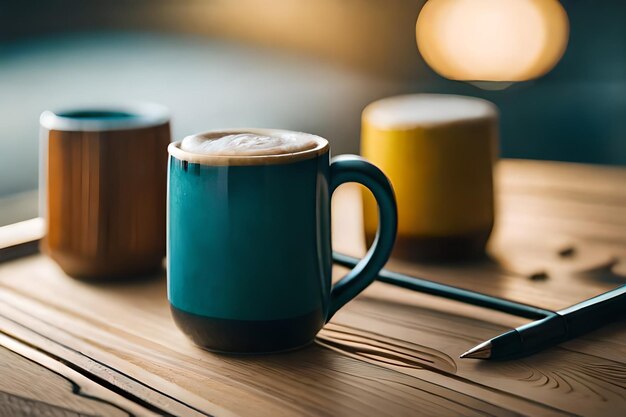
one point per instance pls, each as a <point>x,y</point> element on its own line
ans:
<point>249,244</point>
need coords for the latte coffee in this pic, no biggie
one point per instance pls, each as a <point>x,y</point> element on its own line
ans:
<point>242,143</point>
<point>249,259</point>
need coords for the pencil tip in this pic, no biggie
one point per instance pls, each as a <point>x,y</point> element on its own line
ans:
<point>482,351</point>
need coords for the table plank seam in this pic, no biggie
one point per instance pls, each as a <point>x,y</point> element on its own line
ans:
<point>76,389</point>
<point>86,373</point>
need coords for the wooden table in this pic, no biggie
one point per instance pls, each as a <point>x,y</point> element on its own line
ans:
<point>72,348</point>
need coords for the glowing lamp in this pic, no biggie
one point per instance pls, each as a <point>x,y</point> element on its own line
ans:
<point>492,40</point>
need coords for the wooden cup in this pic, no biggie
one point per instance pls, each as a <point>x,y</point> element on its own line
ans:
<point>438,152</point>
<point>103,182</point>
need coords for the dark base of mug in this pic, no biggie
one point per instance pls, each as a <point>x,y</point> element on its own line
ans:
<point>454,248</point>
<point>249,336</point>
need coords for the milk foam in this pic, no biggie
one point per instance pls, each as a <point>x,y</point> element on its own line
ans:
<point>248,143</point>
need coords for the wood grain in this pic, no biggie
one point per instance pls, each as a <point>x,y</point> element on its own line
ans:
<point>105,207</point>
<point>34,384</point>
<point>390,351</point>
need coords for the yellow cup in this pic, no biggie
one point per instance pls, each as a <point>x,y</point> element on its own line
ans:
<point>438,151</point>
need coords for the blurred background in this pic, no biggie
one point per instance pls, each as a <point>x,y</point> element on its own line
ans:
<point>295,64</point>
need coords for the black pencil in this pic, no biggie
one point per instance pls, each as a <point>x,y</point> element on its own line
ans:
<point>450,292</point>
<point>554,329</point>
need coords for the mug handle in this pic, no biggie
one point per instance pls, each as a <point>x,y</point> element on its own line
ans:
<point>352,168</point>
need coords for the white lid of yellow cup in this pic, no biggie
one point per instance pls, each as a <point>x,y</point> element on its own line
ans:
<point>415,110</point>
